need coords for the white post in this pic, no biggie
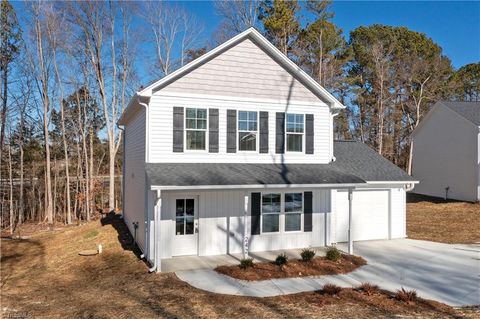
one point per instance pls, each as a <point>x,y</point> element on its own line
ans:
<point>245,234</point>
<point>350,239</point>
<point>158,214</point>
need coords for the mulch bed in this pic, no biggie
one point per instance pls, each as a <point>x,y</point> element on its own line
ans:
<point>295,268</point>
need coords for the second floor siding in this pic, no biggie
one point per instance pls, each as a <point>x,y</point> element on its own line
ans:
<point>163,148</point>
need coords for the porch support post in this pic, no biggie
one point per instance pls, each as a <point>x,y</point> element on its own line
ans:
<point>245,233</point>
<point>350,238</point>
<point>158,214</point>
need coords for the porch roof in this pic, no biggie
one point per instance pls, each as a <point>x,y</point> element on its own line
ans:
<point>355,163</point>
<point>197,174</point>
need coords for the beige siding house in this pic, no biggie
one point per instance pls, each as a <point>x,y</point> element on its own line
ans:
<point>446,152</point>
<point>234,153</point>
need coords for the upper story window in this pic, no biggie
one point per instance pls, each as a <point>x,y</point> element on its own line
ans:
<point>247,131</point>
<point>196,128</point>
<point>295,128</point>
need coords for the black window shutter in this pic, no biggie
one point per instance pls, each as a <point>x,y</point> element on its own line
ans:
<point>263,132</point>
<point>231,131</point>
<point>213,130</point>
<point>178,129</point>
<point>280,133</point>
<point>255,202</point>
<point>307,211</point>
<point>309,136</point>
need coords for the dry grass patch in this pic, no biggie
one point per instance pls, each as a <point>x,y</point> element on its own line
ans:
<point>43,277</point>
<point>294,268</point>
<point>451,223</point>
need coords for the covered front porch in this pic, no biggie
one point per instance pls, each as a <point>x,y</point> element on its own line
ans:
<point>210,262</point>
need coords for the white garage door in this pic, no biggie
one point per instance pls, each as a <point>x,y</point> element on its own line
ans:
<point>370,215</point>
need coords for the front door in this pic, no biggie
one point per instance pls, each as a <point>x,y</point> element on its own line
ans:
<point>186,226</point>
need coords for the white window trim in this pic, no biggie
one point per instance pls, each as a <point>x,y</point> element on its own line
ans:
<point>257,133</point>
<point>282,213</point>
<point>302,134</point>
<point>185,149</point>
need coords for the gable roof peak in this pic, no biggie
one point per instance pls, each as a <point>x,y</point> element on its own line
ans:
<point>263,43</point>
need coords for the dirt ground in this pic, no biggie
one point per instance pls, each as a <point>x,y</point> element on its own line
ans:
<point>43,277</point>
<point>447,222</point>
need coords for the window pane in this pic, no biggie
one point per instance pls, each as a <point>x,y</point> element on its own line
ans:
<point>189,210</point>
<point>189,225</point>
<point>293,202</point>
<point>191,123</point>
<point>242,115</point>
<point>242,126</point>
<point>290,127</point>
<point>291,118</point>
<point>179,228</point>
<point>270,223</point>
<point>247,141</point>
<point>293,222</point>
<point>202,113</point>
<point>191,113</point>
<point>180,207</point>
<point>202,124</point>
<point>252,126</point>
<point>195,140</point>
<point>294,142</point>
<point>271,203</point>
<point>252,116</point>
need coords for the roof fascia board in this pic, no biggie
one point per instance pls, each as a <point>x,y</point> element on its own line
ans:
<point>257,186</point>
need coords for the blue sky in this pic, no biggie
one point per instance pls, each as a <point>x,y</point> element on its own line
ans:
<point>454,25</point>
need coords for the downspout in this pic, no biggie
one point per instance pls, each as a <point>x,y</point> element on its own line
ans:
<point>122,128</point>
<point>156,219</point>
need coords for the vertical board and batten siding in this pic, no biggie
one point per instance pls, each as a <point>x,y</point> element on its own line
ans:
<point>445,155</point>
<point>221,224</point>
<point>161,132</point>
<point>244,71</point>
<point>134,178</point>
<point>371,209</point>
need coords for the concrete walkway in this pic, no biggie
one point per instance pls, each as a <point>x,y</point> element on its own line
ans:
<point>446,273</point>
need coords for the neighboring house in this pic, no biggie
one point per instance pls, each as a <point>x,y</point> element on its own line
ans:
<point>446,151</point>
<point>234,152</point>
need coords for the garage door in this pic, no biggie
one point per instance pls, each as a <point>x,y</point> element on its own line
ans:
<point>370,215</point>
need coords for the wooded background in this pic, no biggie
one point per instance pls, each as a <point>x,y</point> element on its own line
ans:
<point>68,70</point>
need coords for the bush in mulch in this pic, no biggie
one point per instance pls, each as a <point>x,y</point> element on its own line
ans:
<point>307,254</point>
<point>333,253</point>
<point>281,260</point>
<point>368,288</point>
<point>246,263</point>
<point>406,295</point>
<point>331,289</point>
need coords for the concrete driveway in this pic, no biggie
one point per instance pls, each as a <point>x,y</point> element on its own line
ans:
<point>446,273</point>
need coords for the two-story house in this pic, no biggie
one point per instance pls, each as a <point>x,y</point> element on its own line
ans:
<point>234,152</point>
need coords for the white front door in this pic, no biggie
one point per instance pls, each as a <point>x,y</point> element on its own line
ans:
<point>186,226</point>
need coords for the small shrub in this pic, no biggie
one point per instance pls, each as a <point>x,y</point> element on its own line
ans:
<point>246,263</point>
<point>368,288</point>
<point>307,254</point>
<point>406,295</point>
<point>333,253</point>
<point>331,289</point>
<point>281,259</point>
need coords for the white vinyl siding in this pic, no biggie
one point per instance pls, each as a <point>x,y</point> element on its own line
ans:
<point>244,71</point>
<point>221,223</point>
<point>161,132</point>
<point>134,175</point>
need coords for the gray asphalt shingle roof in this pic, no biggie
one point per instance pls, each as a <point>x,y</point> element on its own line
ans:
<point>468,110</point>
<point>356,163</point>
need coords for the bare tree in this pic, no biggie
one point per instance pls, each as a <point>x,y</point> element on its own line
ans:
<point>171,27</point>
<point>237,16</point>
